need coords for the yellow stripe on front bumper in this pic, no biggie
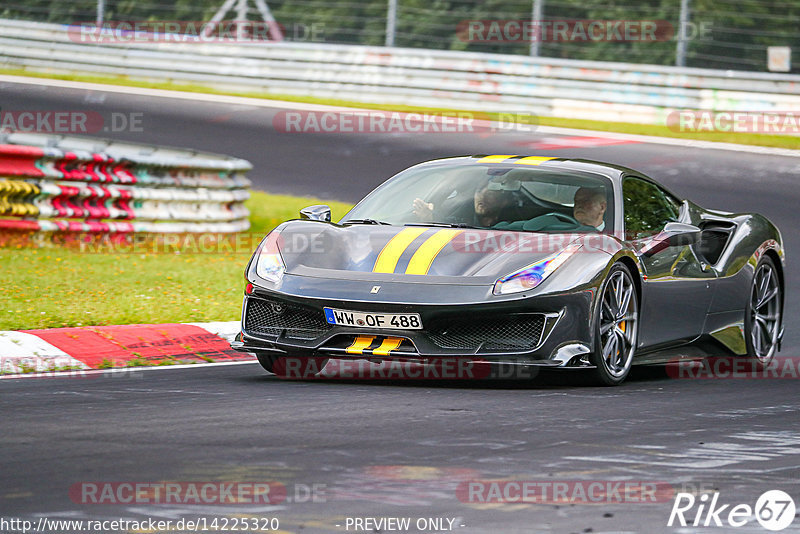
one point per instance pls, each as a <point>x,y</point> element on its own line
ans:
<point>495,159</point>
<point>423,258</point>
<point>361,343</point>
<point>390,255</point>
<point>533,160</point>
<point>388,345</point>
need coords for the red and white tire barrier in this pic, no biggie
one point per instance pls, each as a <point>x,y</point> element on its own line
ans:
<point>99,347</point>
<point>52,183</point>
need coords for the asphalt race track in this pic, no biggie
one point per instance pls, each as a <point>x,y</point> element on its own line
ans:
<point>381,448</point>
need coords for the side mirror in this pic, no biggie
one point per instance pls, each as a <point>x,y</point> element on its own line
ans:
<point>674,234</point>
<point>320,212</point>
<point>684,216</point>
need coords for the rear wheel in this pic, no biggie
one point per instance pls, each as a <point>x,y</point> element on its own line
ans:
<point>763,314</point>
<point>616,327</point>
<point>291,367</point>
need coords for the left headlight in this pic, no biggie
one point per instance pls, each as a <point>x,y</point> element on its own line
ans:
<point>534,274</point>
<point>269,263</point>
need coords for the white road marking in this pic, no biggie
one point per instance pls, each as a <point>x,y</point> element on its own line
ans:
<point>129,370</point>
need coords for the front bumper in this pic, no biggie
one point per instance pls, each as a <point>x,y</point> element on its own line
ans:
<point>546,330</point>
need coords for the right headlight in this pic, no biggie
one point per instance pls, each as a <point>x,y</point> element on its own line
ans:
<point>269,263</point>
<point>534,274</point>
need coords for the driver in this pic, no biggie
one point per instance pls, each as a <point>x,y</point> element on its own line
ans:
<point>590,206</point>
<point>488,205</point>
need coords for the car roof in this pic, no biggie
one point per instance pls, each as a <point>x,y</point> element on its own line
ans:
<point>611,171</point>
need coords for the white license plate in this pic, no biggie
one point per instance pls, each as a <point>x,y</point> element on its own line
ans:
<point>400,321</point>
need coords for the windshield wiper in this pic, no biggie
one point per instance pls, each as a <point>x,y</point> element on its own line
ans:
<point>364,221</point>
<point>443,225</point>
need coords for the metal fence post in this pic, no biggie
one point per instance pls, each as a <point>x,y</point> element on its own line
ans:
<point>536,15</point>
<point>391,22</point>
<point>101,11</point>
<point>680,52</point>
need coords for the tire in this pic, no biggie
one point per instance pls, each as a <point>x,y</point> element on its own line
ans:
<point>291,367</point>
<point>616,324</point>
<point>763,314</point>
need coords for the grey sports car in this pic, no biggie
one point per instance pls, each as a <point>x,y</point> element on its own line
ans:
<point>518,260</point>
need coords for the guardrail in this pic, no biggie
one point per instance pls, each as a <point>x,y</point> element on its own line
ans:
<point>80,184</point>
<point>432,78</point>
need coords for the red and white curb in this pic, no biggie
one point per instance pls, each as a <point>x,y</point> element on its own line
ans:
<point>576,141</point>
<point>100,347</point>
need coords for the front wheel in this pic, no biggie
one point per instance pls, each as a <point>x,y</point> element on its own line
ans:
<point>763,314</point>
<point>291,367</point>
<point>616,327</point>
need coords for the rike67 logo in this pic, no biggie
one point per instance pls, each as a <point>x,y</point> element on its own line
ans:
<point>774,510</point>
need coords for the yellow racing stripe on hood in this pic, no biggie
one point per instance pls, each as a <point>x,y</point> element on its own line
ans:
<point>423,258</point>
<point>390,255</point>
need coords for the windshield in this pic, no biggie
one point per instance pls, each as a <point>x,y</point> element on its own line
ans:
<point>497,196</point>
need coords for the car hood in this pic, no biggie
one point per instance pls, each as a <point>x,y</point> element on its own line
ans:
<point>411,254</point>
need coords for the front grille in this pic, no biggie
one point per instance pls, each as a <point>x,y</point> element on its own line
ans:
<point>512,332</point>
<point>271,318</point>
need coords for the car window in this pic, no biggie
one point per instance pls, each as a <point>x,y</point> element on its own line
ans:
<point>501,196</point>
<point>559,193</point>
<point>647,208</point>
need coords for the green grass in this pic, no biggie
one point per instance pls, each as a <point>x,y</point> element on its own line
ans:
<point>55,286</point>
<point>778,141</point>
